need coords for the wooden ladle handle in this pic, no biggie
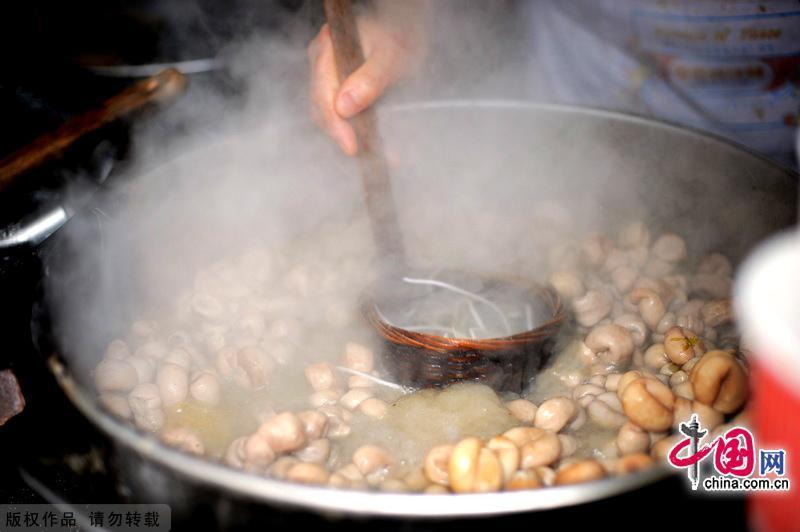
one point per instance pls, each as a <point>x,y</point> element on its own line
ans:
<point>374,168</point>
<point>159,88</point>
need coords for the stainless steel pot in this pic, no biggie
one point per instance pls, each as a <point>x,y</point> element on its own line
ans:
<point>718,194</point>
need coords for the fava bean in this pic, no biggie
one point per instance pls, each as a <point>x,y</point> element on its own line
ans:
<point>612,344</point>
<point>635,326</point>
<point>688,316</point>
<point>631,463</point>
<point>173,383</point>
<point>180,357</point>
<point>712,284</point>
<point>707,416</point>
<point>437,463</point>
<point>352,474</point>
<point>662,447</point>
<point>205,388</point>
<point>715,263</point>
<point>314,423</point>
<point>718,312</point>
<point>258,454</point>
<point>281,466</point>
<point>184,439</point>
<point>547,474</point>
<point>651,306</point>
<point>582,471</point>
<point>718,380</point>
<point>358,357</point>
<point>507,452</point>
<point>316,452</point>
<point>523,410</point>
<point>595,250</point>
<point>540,451</point>
<point>473,468</point>
<point>632,439</point>
<point>605,410</point>
<point>355,397</point>
<point>597,380</point>
<point>416,480</point>
<point>338,426</point>
<point>145,402</point>
<point>567,283</point>
<point>592,307</point>
<point>682,345</point>
<point>256,365</point>
<point>679,377</point>
<point>623,278</point>
<point>669,247</point>
<point>612,381</point>
<point>627,378</point>
<point>117,404</point>
<point>321,376</point>
<point>305,473</point>
<point>554,414</point>
<point>579,420</point>
<point>117,350</point>
<point>234,455</point>
<point>649,404</point>
<point>655,357</point>
<point>370,458</point>
<point>569,445</point>
<point>324,398</point>
<point>583,391</point>
<point>145,367</point>
<point>524,479</point>
<point>373,407</point>
<point>684,390</point>
<point>225,361</point>
<point>284,432</point>
<point>113,375</point>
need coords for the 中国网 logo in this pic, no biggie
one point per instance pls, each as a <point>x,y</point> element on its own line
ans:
<point>734,459</point>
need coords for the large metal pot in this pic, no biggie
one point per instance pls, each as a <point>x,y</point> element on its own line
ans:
<point>721,196</point>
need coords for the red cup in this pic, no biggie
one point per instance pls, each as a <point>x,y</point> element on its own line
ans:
<point>767,299</point>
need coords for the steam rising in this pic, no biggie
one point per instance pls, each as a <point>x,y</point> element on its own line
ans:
<point>479,187</point>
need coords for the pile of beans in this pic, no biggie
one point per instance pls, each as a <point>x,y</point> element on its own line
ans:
<point>228,376</point>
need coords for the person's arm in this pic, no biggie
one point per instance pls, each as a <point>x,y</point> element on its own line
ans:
<point>392,36</point>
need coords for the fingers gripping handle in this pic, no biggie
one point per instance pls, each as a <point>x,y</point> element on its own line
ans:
<point>374,169</point>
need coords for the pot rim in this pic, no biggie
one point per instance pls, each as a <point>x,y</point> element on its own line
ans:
<point>344,502</point>
<point>228,136</point>
<point>335,501</point>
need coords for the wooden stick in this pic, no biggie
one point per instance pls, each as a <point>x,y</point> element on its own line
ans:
<point>159,88</point>
<point>374,168</point>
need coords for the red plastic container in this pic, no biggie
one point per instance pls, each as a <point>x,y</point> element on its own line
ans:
<point>767,302</point>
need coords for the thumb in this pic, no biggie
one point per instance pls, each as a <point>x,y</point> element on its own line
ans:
<point>365,85</point>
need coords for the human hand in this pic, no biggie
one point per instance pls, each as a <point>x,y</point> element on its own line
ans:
<point>391,52</point>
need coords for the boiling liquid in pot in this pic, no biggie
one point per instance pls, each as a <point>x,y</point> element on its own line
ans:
<point>254,366</point>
